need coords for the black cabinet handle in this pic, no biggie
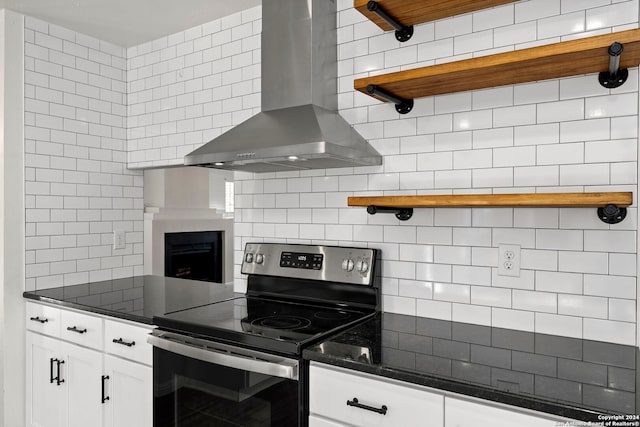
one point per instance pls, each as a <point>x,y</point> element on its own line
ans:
<point>51,377</point>
<point>123,342</point>
<point>38,319</point>
<point>57,378</point>
<point>104,380</point>
<point>75,329</point>
<point>356,404</point>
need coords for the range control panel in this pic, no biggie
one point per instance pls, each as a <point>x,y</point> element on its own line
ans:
<point>327,263</point>
<point>307,261</point>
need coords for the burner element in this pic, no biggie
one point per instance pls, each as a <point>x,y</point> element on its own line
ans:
<point>290,323</point>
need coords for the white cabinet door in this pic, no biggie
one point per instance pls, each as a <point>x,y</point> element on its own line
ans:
<point>462,413</point>
<point>46,400</point>
<point>130,391</point>
<point>82,373</point>
<point>315,421</point>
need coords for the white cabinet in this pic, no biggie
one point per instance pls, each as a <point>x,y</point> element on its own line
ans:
<point>81,374</point>
<point>406,404</point>
<point>129,389</point>
<point>45,400</point>
<point>462,413</point>
<point>86,370</point>
<point>341,396</point>
<point>62,383</point>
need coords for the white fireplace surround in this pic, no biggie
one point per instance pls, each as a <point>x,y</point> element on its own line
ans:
<point>181,200</point>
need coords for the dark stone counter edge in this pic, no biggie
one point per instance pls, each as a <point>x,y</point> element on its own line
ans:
<point>89,309</point>
<point>476,391</point>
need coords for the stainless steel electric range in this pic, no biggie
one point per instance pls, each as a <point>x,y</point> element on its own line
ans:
<point>238,362</point>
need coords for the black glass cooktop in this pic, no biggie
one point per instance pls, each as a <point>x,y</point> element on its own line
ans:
<point>262,323</point>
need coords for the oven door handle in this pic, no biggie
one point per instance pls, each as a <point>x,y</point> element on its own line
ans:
<point>232,357</point>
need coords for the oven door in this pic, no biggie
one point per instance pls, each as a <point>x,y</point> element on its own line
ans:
<point>206,384</point>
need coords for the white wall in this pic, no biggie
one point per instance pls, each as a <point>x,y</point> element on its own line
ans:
<point>192,86</point>
<point>78,189</point>
<point>578,274</point>
<point>12,337</point>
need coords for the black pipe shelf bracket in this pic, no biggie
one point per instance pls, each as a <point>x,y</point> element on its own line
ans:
<point>403,214</point>
<point>612,214</point>
<point>403,106</point>
<point>403,32</point>
<point>615,77</point>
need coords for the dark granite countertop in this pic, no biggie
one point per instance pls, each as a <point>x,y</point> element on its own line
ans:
<point>135,298</point>
<point>569,377</point>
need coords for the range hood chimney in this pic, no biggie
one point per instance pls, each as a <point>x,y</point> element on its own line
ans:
<point>299,127</point>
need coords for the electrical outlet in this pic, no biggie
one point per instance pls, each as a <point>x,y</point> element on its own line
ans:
<point>119,239</point>
<point>509,260</point>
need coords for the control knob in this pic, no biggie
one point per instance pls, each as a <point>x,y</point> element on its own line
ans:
<point>259,258</point>
<point>347,265</point>
<point>362,266</point>
<point>248,257</point>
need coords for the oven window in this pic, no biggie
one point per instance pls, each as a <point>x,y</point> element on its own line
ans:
<point>190,392</point>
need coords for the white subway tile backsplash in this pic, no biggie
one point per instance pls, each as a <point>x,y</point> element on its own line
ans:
<point>479,276</point>
<point>451,292</point>
<point>612,105</point>
<point>416,253</point>
<point>583,262</point>
<point>611,331</point>
<point>475,314</point>
<point>548,136</point>
<point>535,301</point>
<point>434,309</point>
<point>513,319</point>
<point>610,241</point>
<point>622,264</point>
<point>553,324</point>
<point>582,306</point>
<point>415,289</point>
<point>525,281</point>
<point>587,174</point>
<point>514,116</point>
<point>622,310</point>
<point>452,255</point>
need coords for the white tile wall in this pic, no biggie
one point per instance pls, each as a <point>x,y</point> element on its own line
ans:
<point>578,275</point>
<point>189,87</point>
<point>78,189</point>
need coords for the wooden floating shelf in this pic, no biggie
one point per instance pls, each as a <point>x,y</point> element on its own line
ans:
<point>543,200</point>
<point>412,12</point>
<point>612,206</point>
<point>581,56</point>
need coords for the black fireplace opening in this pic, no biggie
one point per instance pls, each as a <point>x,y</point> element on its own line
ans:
<point>194,255</point>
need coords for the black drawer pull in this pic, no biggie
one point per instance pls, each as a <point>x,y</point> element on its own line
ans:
<point>51,377</point>
<point>58,380</point>
<point>38,319</point>
<point>75,329</point>
<point>356,404</point>
<point>104,397</point>
<point>123,342</point>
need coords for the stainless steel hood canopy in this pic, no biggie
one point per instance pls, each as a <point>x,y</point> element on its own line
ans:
<point>298,127</point>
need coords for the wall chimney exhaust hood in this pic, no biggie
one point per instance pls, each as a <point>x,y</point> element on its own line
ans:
<point>299,127</point>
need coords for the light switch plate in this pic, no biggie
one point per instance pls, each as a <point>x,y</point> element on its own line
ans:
<point>119,239</point>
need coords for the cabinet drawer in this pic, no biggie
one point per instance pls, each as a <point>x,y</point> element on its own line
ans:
<point>315,421</point>
<point>406,405</point>
<point>43,319</point>
<point>81,329</point>
<point>461,413</point>
<point>129,341</point>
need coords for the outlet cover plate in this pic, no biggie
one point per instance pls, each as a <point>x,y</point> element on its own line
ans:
<point>509,260</point>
